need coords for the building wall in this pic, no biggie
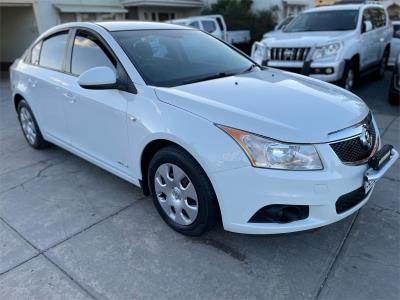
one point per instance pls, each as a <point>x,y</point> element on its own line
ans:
<point>14,37</point>
<point>151,13</point>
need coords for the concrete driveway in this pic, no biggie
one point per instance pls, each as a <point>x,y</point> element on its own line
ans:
<point>69,230</point>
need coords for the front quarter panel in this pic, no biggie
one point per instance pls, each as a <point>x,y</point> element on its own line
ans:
<point>154,120</point>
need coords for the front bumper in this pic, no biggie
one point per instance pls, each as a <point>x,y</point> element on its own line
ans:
<point>310,68</point>
<point>242,192</point>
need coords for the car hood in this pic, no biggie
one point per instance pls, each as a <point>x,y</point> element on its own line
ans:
<point>272,103</point>
<point>303,39</point>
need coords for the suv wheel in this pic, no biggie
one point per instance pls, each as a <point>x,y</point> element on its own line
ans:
<point>182,192</point>
<point>30,127</point>
<point>349,76</point>
<point>382,66</point>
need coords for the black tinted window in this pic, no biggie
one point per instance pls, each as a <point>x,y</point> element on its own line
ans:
<point>88,52</point>
<point>35,53</point>
<point>53,50</point>
<point>396,31</point>
<point>209,26</point>
<point>335,20</point>
<point>378,17</point>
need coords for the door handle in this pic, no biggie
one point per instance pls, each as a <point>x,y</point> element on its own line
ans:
<point>381,40</point>
<point>71,97</point>
<point>32,82</point>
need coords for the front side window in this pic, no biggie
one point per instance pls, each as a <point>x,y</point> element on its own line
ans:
<point>53,51</point>
<point>175,57</point>
<point>35,53</point>
<point>209,26</point>
<point>88,52</point>
<point>195,24</point>
<point>335,20</point>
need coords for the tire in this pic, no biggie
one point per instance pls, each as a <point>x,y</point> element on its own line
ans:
<point>349,76</point>
<point>380,72</point>
<point>29,126</point>
<point>169,172</point>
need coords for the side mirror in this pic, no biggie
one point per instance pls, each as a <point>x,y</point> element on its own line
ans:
<point>98,78</point>
<point>367,26</point>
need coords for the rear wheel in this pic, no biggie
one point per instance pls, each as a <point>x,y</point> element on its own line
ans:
<point>182,192</point>
<point>29,126</point>
<point>380,72</point>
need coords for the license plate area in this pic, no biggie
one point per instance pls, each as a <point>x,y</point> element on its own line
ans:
<point>377,165</point>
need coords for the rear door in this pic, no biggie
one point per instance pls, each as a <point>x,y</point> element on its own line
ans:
<point>97,119</point>
<point>383,31</point>
<point>45,78</point>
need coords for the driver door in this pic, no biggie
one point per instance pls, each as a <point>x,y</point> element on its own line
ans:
<point>96,119</point>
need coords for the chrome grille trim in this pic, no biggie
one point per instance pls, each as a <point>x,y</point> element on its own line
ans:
<point>289,54</point>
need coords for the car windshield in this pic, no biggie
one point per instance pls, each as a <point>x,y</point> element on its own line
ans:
<point>335,20</point>
<point>169,58</point>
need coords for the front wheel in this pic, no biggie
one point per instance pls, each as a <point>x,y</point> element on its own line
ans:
<point>182,192</point>
<point>349,77</point>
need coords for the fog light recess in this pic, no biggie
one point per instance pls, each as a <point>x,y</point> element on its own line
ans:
<point>280,213</point>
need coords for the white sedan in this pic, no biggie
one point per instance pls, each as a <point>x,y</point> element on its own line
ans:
<point>199,126</point>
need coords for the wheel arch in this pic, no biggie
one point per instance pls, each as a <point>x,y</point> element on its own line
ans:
<point>17,99</point>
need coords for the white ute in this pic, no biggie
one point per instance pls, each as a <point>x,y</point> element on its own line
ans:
<point>200,126</point>
<point>335,43</point>
<point>215,25</point>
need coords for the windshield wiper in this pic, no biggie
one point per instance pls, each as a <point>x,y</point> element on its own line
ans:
<point>214,76</point>
<point>249,69</point>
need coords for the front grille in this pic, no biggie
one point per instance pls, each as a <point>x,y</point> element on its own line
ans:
<point>289,54</point>
<point>349,200</point>
<point>352,151</point>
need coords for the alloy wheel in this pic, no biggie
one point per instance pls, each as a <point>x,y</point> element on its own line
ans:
<point>349,80</point>
<point>28,126</point>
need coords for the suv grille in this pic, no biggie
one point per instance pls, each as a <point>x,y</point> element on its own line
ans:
<point>352,151</point>
<point>290,54</point>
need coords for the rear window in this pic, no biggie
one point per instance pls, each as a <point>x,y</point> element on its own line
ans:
<point>35,53</point>
<point>53,51</point>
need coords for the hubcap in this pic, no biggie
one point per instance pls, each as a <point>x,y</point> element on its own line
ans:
<point>349,80</point>
<point>176,194</point>
<point>27,125</point>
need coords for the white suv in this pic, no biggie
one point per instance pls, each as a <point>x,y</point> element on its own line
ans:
<point>200,126</point>
<point>332,43</point>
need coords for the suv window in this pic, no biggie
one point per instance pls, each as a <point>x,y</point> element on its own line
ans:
<point>378,17</point>
<point>209,26</point>
<point>195,24</point>
<point>53,50</point>
<point>35,53</point>
<point>89,52</point>
<point>367,16</point>
<point>396,31</point>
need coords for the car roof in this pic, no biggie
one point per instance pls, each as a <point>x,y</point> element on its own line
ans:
<point>137,25</point>
<point>341,7</point>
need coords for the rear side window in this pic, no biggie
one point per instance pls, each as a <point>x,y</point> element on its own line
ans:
<point>89,52</point>
<point>53,50</point>
<point>396,31</point>
<point>35,53</point>
<point>378,17</point>
<point>209,26</point>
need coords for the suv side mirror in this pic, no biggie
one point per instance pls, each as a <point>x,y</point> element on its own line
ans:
<point>367,26</point>
<point>98,78</point>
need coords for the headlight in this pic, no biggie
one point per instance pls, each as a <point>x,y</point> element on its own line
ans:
<point>327,50</point>
<point>260,53</point>
<point>266,153</point>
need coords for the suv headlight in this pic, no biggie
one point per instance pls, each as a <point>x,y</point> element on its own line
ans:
<point>327,50</point>
<point>259,53</point>
<point>266,153</point>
